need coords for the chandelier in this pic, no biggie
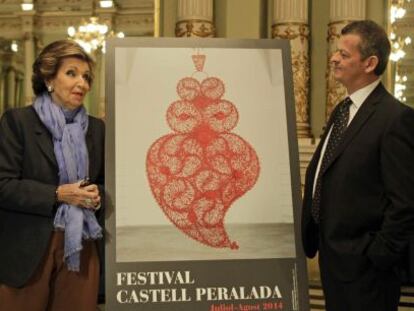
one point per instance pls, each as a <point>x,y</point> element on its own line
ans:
<point>397,11</point>
<point>398,44</point>
<point>91,35</point>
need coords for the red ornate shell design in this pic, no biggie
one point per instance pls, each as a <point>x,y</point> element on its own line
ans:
<point>198,171</point>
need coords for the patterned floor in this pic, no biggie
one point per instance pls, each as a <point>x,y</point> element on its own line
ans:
<point>317,300</point>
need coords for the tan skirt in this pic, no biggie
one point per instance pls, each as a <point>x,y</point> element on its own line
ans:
<point>53,287</point>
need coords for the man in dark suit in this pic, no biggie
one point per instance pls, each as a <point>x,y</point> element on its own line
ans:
<point>358,208</point>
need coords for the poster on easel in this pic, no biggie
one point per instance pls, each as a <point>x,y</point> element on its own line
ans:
<point>202,177</point>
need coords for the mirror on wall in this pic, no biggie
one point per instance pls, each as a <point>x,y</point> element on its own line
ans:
<point>27,26</point>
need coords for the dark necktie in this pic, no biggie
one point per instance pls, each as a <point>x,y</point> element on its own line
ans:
<point>340,124</point>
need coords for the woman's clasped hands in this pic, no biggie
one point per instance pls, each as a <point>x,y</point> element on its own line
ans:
<point>81,193</point>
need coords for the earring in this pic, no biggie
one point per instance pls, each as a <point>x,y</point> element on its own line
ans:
<point>50,88</point>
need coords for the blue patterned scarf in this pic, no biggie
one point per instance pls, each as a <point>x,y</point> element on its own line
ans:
<point>72,158</point>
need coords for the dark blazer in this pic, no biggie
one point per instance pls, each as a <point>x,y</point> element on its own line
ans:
<point>28,180</point>
<point>367,200</point>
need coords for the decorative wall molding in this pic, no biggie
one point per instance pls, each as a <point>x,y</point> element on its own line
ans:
<point>50,20</point>
<point>298,35</point>
<point>195,19</point>
<point>335,90</point>
<point>133,17</point>
<point>291,31</point>
<point>194,28</point>
<point>135,24</point>
<point>10,28</point>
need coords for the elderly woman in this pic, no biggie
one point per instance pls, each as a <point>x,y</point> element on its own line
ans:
<point>51,177</point>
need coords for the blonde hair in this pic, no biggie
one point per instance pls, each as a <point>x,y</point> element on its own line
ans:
<point>50,59</point>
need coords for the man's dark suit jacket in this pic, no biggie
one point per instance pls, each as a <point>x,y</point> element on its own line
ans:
<point>28,180</point>
<point>367,199</point>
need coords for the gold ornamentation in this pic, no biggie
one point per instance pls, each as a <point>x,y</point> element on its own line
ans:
<point>56,22</point>
<point>133,21</point>
<point>300,68</point>
<point>333,33</point>
<point>194,28</point>
<point>335,91</point>
<point>298,35</point>
<point>8,24</point>
<point>131,24</point>
<point>291,31</point>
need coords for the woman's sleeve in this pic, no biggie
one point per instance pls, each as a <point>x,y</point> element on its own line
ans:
<point>18,194</point>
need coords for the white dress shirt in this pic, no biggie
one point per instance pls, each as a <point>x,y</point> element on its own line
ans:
<point>358,98</point>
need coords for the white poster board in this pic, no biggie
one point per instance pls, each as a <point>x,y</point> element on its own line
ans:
<point>202,176</point>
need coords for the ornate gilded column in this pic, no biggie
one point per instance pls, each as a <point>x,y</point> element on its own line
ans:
<point>290,21</point>
<point>29,52</point>
<point>195,19</point>
<point>341,13</point>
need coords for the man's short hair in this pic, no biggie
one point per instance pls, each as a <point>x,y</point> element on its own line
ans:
<point>374,41</point>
